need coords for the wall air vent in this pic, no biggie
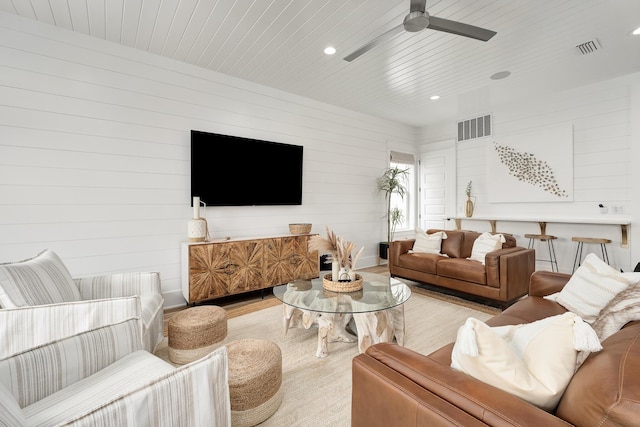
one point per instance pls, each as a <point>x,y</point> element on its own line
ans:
<point>588,47</point>
<point>477,127</point>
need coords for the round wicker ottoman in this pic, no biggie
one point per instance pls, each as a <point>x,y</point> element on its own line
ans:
<point>255,377</point>
<point>196,332</point>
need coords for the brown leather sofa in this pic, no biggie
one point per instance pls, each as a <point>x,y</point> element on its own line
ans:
<point>503,279</point>
<point>395,386</point>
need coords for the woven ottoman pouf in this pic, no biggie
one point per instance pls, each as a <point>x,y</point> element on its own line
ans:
<point>196,332</point>
<point>255,377</point>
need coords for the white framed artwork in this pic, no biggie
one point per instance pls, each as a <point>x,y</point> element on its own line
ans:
<point>536,166</point>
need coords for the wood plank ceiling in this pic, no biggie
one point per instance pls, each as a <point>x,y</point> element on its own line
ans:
<point>279,43</point>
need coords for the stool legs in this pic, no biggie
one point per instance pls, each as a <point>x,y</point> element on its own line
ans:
<point>553,260</point>
<point>578,259</point>
<point>552,255</point>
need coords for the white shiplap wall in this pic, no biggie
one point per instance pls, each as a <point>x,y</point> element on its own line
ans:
<point>94,154</point>
<point>606,153</point>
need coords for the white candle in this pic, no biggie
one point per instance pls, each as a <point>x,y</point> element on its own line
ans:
<point>196,207</point>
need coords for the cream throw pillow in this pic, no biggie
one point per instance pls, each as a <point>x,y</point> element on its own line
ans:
<point>593,285</point>
<point>428,243</point>
<point>533,361</point>
<point>484,244</point>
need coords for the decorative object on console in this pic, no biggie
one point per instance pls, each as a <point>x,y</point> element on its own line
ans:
<point>340,252</point>
<point>198,229</point>
<point>299,228</point>
<point>468,207</point>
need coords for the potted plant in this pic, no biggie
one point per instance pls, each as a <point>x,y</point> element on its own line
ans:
<point>392,181</point>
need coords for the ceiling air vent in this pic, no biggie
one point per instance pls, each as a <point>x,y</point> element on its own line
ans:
<point>477,127</point>
<point>588,47</point>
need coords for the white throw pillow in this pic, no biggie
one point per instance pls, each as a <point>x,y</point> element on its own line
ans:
<point>484,244</point>
<point>591,287</point>
<point>533,361</point>
<point>43,279</point>
<point>428,243</point>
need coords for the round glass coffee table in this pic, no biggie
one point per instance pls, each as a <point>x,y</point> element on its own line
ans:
<point>377,310</point>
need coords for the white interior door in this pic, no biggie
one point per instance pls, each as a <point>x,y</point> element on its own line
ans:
<point>437,189</point>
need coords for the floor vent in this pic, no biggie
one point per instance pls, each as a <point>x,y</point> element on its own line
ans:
<point>588,47</point>
<point>477,127</point>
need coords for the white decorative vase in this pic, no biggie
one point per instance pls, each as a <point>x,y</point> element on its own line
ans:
<point>197,230</point>
<point>197,227</point>
<point>335,270</point>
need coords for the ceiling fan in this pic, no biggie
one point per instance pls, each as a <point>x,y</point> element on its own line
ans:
<point>417,20</point>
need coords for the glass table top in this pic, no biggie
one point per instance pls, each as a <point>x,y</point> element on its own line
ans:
<point>377,293</point>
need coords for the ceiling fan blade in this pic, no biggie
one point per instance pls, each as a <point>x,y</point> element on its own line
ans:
<point>455,27</point>
<point>418,5</point>
<point>375,42</point>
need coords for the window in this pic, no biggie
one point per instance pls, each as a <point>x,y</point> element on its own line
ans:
<point>407,203</point>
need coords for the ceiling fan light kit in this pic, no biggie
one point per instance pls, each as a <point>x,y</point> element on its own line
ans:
<point>417,20</point>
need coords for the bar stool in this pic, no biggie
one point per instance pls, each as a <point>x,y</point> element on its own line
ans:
<point>591,240</point>
<point>552,251</point>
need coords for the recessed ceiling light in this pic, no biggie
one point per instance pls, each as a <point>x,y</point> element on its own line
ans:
<point>434,97</point>
<point>500,75</point>
<point>330,50</point>
<point>636,32</point>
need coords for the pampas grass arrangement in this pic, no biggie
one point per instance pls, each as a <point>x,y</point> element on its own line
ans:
<point>338,249</point>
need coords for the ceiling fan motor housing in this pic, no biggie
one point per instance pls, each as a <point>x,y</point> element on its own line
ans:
<point>416,21</point>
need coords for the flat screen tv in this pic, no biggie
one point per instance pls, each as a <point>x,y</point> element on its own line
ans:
<point>233,171</point>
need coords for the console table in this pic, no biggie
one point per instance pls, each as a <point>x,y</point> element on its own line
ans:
<point>227,267</point>
<point>624,221</point>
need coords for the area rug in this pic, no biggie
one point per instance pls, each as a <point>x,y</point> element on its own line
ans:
<point>317,392</point>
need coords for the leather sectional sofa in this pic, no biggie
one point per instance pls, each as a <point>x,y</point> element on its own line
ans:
<point>502,279</point>
<point>393,385</point>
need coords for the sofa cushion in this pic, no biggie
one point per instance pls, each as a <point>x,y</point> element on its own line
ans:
<point>43,279</point>
<point>484,244</point>
<point>533,361</point>
<point>428,243</point>
<point>593,285</point>
<point>462,269</point>
<point>452,245</point>
<point>605,390</point>
<point>425,263</point>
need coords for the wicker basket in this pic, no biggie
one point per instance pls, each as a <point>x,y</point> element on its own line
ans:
<point>354,285</point>
<point>299,228</point>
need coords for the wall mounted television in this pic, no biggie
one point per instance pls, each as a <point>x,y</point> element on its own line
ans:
<point>234,171</point>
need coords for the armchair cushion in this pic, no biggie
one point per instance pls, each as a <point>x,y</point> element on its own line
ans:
<point>43,279</point>
<point>10,412</point>
<point>101,377</point>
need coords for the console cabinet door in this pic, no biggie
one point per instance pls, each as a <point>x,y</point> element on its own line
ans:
<point>279,261</point>
<point>288,258</point>
<point>227,268</point>
<point>208,271</point>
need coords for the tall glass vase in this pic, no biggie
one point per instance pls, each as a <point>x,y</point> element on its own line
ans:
<point>468,207</point>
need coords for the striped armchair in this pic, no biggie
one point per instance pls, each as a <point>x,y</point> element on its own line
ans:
<point>103,377</point>
<point>84,303</point>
